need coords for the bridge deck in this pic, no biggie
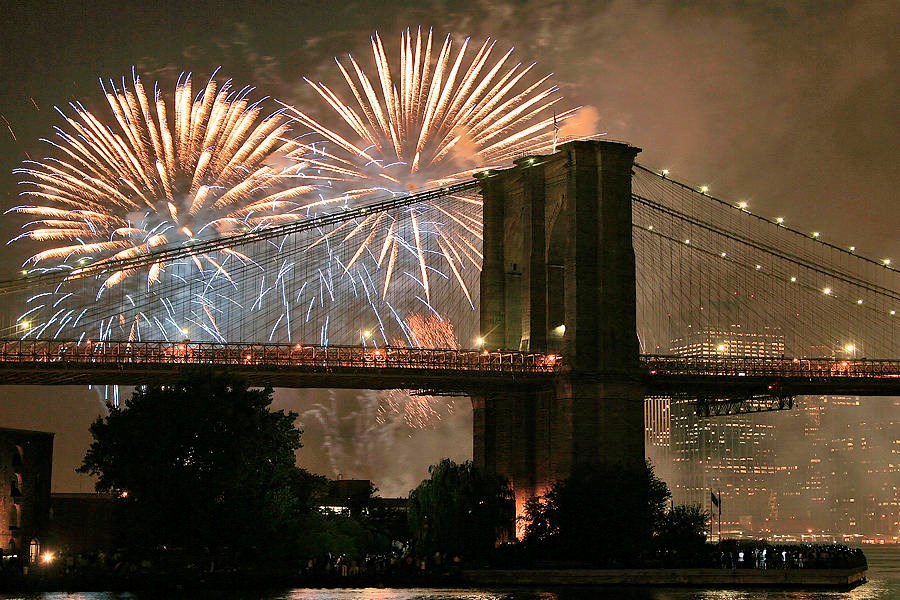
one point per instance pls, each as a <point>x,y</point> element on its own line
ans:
<point>440,370</point>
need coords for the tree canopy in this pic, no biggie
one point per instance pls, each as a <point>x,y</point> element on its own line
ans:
<point>460,510</point>
<point>202,463</point>
<point>598,515</point>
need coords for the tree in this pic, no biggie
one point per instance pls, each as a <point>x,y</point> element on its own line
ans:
<point>460,510</point>
<point>681,535</point>
<point>600,515</point>
<point>201,464</point>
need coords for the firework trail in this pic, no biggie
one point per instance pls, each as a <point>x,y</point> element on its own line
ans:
<point>436,115</point>
<point>163,174</point>
<point>420,411</point>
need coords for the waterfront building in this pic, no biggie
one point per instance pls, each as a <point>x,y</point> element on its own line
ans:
<point>26,463</point>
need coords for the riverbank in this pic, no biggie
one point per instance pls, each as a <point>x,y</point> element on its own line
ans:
<point>836,579</point>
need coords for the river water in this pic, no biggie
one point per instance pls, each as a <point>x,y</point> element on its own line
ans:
<point>883,584</point>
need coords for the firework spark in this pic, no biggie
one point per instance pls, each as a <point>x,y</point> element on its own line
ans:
<point>163,174</point>
<point>437,115</point>
<point>420,411</point>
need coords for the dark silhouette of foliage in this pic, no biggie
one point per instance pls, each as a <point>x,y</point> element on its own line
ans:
<point>599,515</point>
<point>201,464</point>
<point>460,510</point>
<point>681,536</point>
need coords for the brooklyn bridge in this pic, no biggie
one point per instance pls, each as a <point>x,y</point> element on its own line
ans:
<point>595,282</point>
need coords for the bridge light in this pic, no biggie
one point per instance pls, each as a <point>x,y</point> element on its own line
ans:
<point>826,291</point>
<point>664,173</point>
<point>704,189</point>
<point>724,255</point>
<point>893,312</point>
<point>721,348</point>
<point>25,325</point>
<point>815,234</point>
<point>860,301</point>
<point>849,348</point>
<point>886,262</point>
<point>688,242</point>
<point>560,330</point>
<point>479,341</point>
<point>24,271</point>
<point>743,205</point>
<point>366,334</point>
<point>793,280</point>
<point>758,267</point>
<point>650,227</point>
<point>852,248</point>
<point>184,331</point>
<point>779,220</point>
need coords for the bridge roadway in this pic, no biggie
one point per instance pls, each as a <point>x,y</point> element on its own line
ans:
<point>28,362</point>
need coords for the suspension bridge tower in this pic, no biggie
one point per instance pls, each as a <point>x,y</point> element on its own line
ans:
<point>559,276</point>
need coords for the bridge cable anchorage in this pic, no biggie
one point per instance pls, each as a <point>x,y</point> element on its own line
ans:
<point>171,252</point>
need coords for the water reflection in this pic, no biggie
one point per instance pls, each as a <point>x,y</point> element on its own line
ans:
<point>873,590</point>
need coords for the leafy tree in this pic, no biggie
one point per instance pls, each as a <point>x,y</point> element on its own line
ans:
<point>201,464</point>
<point>597,515</point>
<point>682,533</point>
<point>460,510</point>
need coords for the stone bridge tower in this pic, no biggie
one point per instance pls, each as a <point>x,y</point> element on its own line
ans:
<point>559,276</point>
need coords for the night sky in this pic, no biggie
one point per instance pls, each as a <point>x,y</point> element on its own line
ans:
<point>791,106</point>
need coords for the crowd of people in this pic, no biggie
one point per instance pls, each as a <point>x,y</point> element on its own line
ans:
<point>117,570</point>
<point>735,554</point>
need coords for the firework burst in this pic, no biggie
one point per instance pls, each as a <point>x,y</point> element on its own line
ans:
<point>163,174</point>
<point>438,114</point>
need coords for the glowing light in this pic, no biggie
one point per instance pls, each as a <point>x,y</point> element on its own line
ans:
<point>860,301</point>
<point>815,234</point>
<point>704,189</point>
<point>25,325</point>
<point>560,330</point>
<point>779,220</point>
<point>827,291</point>
<point>793,279</point>
<point>886,262</point>
<point>664,172</point>
<point>743,205</point>
<point>687,242</point>
<point>479,341</point>
<point>723,255</point>
<point>852,248</point>
<point>849,348</point>
<point>650,227</point>
<point>721,348</point>
<point>366,334</point>
<point>184,331</point>
<point>47,557</point>
<point>758,267</point>
<point>893,312</point>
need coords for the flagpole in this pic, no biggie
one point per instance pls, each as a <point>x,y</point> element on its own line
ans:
<point>720,516</point>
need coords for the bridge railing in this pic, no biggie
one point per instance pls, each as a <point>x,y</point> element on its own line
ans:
<point>273,355</point>
<point>813,368</point>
